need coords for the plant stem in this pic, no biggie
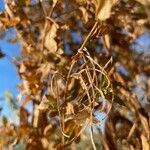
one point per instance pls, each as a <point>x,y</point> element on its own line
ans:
<point>88,36</point>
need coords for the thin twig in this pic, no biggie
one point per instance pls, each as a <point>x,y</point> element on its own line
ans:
<point>91,112</point>
<point>92,138</point>
<point>68,76</point>
<point>61,115</point>
<point>44,10</point>
<point>88,36</point>
<point>102,70</point>
<point>131,131</point>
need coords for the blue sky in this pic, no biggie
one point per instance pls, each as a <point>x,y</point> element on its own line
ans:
<point>8,73</point>
<point>1,5</point>
<point>8,77</point>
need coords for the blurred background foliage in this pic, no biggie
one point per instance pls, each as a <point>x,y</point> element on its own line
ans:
<point>85,74</point>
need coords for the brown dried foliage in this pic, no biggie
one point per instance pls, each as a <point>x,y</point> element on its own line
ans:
<point>69,80</point>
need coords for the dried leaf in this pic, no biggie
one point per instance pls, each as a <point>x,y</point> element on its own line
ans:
<point>10,23</point>
<point>145,124</point>
<point>82,116</point>
<point>119,78</point>
<point>44,69</point>
<point>107,41</point>
<point>22,68</point>
<point>145,144</point>
<point>23,116</point>
<point>50,42</point>
<point>69,109</point>
<point>85,14</point>
<point>45,104</point>
<point>103,9</point>
<point>47,129</point>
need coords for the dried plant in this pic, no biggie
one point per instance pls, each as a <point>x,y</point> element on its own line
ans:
<point>70,65</point>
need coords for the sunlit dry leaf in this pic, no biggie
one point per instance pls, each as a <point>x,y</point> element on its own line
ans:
<point>9,23</point>
<point>22,68</point>
<point>26,86</point>
<point>47,129</point>
<point>107,41</point>
<point>124,92</point>
<point>118,78</point>
<point>51,45</point>
<point>50,42</point>
<point>45,104</point>
<point>85,14</point>
<point>145,125</point>
<point>131,131</point>
<point>103,9</point>
<point>69,109</point>
<point>145,144</point>
<point>55,2</point>
<point>44,69</point>
<point>46,144</point>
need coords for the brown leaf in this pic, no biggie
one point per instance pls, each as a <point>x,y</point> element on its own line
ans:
<point>107,41</point>
<point>103,9</point>
<point>23,116</point>
<point>50,42</point>
<point>22,68</point>
<point>69,109</point>
<point>145,143</point>
<point>10,23</point>
<point>85,14</point>
<point>118,78</point>
<point>44,69</point>
<point>145,125</point>
<point>45,104</point>
<point>47,129</point>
